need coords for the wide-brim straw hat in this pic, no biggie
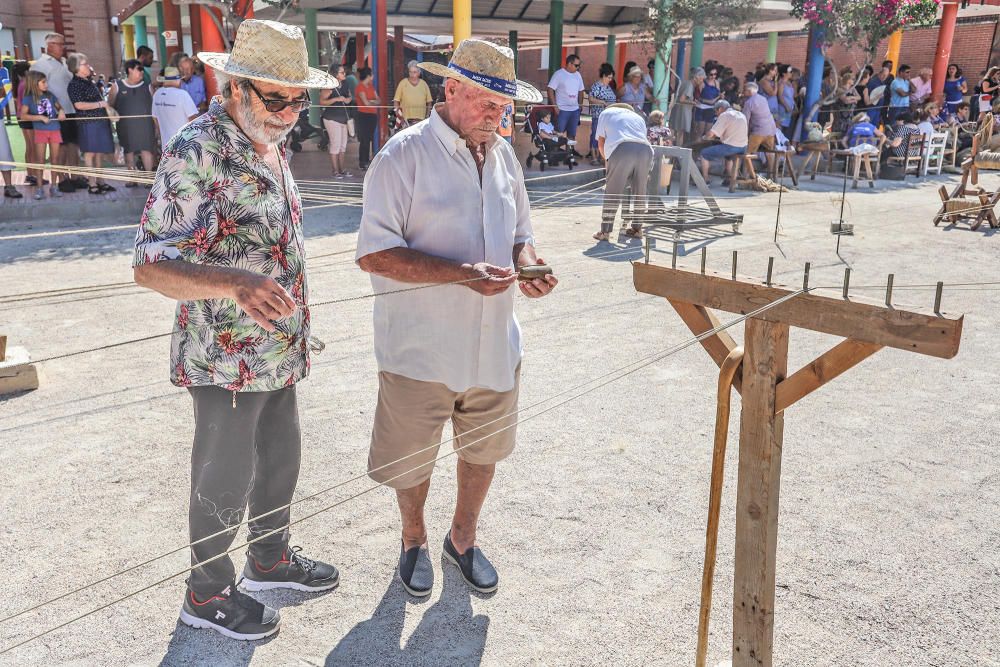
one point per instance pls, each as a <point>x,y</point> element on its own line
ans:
<point>876,95</point>
<point>487,66</point>
<point>271,52</point>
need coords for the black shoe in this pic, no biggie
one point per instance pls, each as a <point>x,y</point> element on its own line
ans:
<point>476,569</point>
<point>293,571</point>
<point>416,571</point>
<point>11,192</point>
<point>231,613</point>
<point>30,180</point>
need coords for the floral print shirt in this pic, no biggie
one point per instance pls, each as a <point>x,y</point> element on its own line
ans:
<point>215,202</point>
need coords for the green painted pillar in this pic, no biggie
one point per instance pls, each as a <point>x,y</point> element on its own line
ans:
<point>512,41</point>
<point>555,36</point>
<point>612,42</point>
<point>312,49</point>
<point>772,47</point>
<point>661,78</point>
<point>161,42</point>
<point>698,46</point>
<point>141,37</point>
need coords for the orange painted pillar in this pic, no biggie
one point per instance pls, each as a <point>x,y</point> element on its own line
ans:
<point>172,21</point>
<point>946,34</point>
<point>398,57</point>
<point>194,25</point>
<point>211,40</point>
<point>359,49</point>
<point>622,48</point>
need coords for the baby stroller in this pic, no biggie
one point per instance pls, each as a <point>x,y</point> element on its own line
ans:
<point>549,152</point>
<point>304,131</point>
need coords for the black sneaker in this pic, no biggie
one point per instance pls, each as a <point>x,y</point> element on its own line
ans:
<point>415,571</point>
<point>231,613</point>
<point>476,569</point>
<point>293,571</point>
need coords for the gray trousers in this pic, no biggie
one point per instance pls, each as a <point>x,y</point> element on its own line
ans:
<point>629,164</point>
<point>247,456</point>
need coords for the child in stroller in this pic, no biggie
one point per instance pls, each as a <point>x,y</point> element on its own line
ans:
<point>553,148</point>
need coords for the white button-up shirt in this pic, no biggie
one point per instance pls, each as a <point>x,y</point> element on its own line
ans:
<point>422,191</point>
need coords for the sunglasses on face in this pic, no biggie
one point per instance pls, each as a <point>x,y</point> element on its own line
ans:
<point>277,106</point>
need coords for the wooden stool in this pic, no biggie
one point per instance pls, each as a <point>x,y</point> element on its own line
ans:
<point>814,152</point>
<point>734,165</point>
<point>782,160</point>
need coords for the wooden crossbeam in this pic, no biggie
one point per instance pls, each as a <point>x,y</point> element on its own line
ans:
<point>699,320</point>
<point>862,319</point>
<point>842,357</point>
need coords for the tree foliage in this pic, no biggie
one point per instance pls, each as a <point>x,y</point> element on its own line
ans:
<point>667,18</point>
<point>864,23</point>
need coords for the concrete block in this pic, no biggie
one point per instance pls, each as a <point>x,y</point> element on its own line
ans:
<point>16,372</point>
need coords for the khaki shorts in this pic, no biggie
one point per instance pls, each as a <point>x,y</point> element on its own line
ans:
<point>411,415</point>
<point>758,141</point>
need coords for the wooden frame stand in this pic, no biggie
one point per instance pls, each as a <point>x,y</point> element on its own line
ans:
<point>767,391</point>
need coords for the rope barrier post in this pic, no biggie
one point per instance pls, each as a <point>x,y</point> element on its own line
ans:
<point>768,390</point>
<point>847,281</point>
<point>937,300</point>
<point>888,290</point>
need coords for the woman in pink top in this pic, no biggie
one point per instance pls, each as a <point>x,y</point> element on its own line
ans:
<point>27,127</point>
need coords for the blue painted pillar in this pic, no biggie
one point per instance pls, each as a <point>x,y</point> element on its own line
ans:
<point>814,84</point>
<point>681,48</point>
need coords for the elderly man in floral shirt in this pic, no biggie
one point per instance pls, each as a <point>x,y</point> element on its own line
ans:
<point>222,234</point>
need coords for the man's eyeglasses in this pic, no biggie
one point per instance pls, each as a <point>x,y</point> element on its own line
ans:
<point>277,106</point>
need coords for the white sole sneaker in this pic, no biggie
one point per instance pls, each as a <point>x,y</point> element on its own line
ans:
<point>416,594</point>
<point>454,562</point>
<point>204,624</point>
<point>255,586</point>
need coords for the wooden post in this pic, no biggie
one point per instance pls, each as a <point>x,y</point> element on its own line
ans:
<point>764,365</point>
<point>3,348</point>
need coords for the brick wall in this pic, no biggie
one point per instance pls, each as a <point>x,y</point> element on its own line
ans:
<point>87,23</point>
<point>970,50</point>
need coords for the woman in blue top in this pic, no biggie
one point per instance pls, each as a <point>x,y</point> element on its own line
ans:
<point>602,93</point>
<point>786,98</point>
<point>41,108</point>
<point>634,91</point>
<point>704,112</point>
<point>954,88</point>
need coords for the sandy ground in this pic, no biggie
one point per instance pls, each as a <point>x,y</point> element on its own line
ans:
<point>888,542</point>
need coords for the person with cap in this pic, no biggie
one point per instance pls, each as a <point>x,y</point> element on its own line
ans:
<point>760,121</point>
<point>173,108</point>
<point>445,204</point>
<point>730,131</point>
<point>623,143</point>
<point>222,234</point>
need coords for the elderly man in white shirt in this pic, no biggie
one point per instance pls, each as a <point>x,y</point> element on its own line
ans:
<point>445,206</point>
<point>622,141</point>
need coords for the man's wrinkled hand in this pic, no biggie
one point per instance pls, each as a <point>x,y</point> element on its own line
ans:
<point>538,287</point>
<point>488,279</point>
<point>263,299</point>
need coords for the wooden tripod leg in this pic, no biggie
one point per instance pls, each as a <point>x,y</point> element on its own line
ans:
<point>727,375</point>
<point>764,365</point>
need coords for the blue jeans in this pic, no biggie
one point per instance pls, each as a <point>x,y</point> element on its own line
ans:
<point>721,151</point>
<point>567,122</point>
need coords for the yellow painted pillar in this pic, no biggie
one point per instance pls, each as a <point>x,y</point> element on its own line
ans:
<point>461,11</point>
<point>892,52</point>
<point>128,36</point>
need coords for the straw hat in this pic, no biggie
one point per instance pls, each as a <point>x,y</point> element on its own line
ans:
<point>169,74</point>
<point>861,117</point>
<point>271,52</point>
<point>635,71</point>
<point>487,66</point>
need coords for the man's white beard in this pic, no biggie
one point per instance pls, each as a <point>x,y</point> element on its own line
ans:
<point>265,132</point>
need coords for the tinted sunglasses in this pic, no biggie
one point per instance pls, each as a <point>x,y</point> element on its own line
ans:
<point>277,106</point>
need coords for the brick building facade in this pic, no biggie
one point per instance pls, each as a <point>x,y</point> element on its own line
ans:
<point>971,50</point>
<point>85,23</point>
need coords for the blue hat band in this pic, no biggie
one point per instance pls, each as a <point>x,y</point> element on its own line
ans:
<point>497,85</point>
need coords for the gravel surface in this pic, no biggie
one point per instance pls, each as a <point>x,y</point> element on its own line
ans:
<point>888,543</point>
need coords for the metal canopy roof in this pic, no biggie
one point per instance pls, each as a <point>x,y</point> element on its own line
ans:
<point>488,16</point>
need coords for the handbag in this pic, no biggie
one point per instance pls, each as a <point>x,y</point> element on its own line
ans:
<point>350,128</point>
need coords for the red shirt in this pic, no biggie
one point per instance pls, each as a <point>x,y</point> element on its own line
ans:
<point>369,90</point>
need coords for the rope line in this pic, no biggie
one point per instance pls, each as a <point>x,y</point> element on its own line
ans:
<point>620,374</point>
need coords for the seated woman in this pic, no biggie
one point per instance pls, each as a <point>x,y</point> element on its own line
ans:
<point>657,132</point>
<point>862,132</point>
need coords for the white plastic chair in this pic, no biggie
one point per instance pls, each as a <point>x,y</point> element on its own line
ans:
<point>934,153</point>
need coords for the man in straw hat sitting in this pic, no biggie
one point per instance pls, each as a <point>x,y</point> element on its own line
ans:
<point>445,204</point>
<point>222,234</point>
